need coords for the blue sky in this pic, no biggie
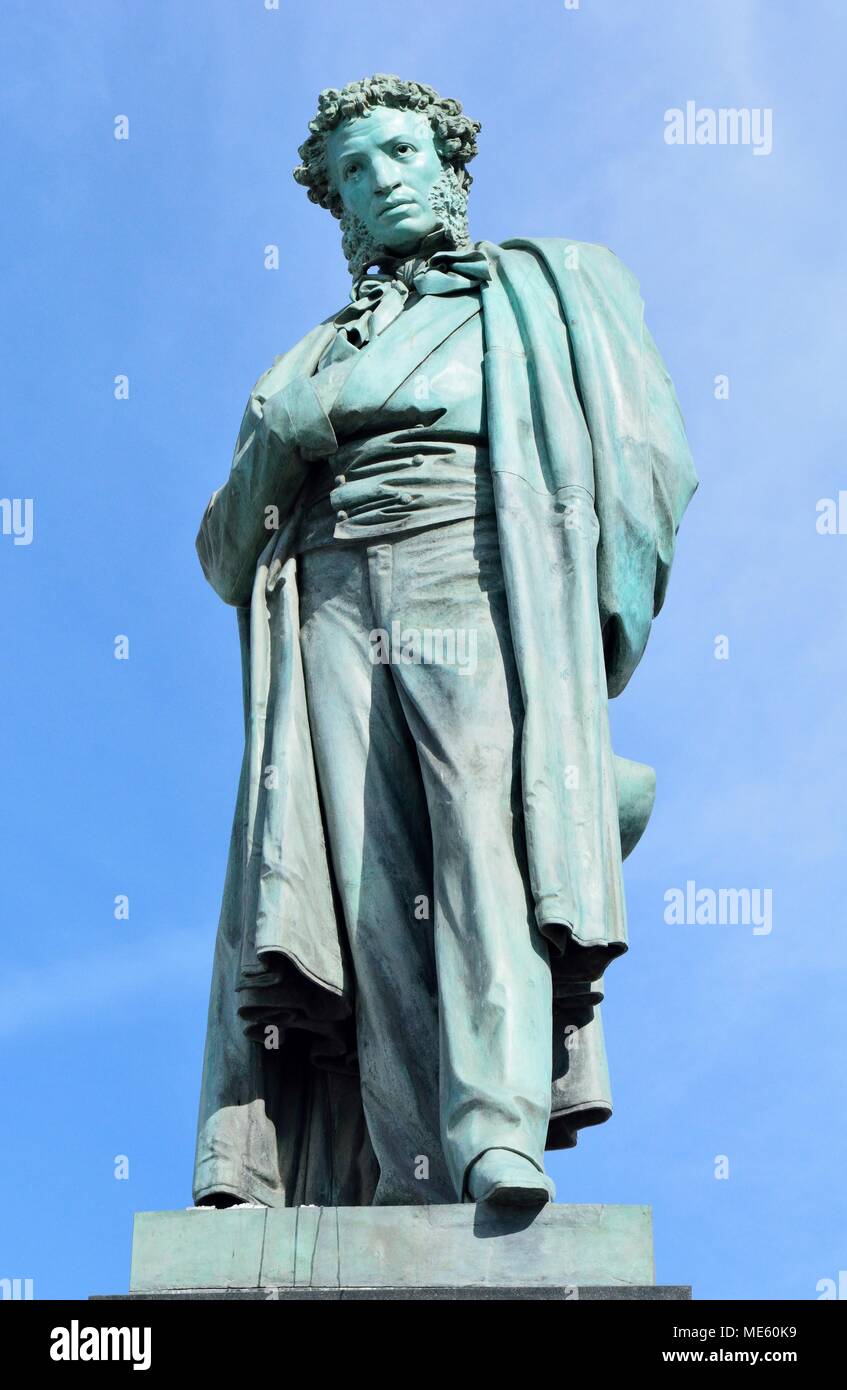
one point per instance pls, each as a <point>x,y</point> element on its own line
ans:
<point>145,257</point>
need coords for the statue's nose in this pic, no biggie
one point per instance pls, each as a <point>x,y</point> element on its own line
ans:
<point>386,179</point>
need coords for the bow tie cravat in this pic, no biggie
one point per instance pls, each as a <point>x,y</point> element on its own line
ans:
<point>378,299</point>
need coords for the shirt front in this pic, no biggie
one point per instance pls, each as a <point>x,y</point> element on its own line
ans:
<point>409,426</point>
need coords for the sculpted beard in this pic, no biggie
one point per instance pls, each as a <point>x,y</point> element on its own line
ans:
<point>447,199</point>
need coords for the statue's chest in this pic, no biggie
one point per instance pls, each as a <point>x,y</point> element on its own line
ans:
<point>424,367</point>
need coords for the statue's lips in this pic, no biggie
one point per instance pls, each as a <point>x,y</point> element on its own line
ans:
<point>397,207</point>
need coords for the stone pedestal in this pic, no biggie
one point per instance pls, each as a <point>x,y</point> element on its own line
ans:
<point>433,1252</point>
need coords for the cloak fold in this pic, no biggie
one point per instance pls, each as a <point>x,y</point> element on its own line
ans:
<point>591,476</point>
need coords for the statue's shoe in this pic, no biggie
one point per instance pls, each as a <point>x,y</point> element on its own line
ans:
<point>508,1179</point>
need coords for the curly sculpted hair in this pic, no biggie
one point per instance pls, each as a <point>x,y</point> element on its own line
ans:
<point>455,133</point>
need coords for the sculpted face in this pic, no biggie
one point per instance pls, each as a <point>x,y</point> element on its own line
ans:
<point>384,166</point>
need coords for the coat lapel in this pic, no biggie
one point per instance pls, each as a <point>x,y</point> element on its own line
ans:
<point>394,355</point>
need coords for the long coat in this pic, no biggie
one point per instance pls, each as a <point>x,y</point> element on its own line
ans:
<point>591,475</point>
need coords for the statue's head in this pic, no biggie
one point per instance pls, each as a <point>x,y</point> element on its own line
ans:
<point>388,158</point>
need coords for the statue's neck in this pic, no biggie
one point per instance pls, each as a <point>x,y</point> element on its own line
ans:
<point>437,240</point>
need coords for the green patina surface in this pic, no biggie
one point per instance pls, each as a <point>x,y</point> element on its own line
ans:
<point>392,1247</point>
<point>471,1036</point>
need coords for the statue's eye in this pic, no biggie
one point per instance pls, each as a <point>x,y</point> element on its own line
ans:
<point>404,149</point>
<point>351,170</point>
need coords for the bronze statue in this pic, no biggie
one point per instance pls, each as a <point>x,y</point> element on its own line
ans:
<point>449,524</point>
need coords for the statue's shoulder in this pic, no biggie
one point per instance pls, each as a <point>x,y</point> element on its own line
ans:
<point>299,359</point>
<point>566,253</point>
<point>582,272</point>
<point>558,245</point>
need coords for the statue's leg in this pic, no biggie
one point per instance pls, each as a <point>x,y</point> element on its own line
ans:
<point>380,846</point>
<point>463,704</point>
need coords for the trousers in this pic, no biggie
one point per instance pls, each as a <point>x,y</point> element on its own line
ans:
<point>415,714</point>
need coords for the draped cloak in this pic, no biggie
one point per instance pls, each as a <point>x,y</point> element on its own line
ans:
<point>591,474</point>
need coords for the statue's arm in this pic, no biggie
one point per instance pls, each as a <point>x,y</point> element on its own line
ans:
<point>281,434</point>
